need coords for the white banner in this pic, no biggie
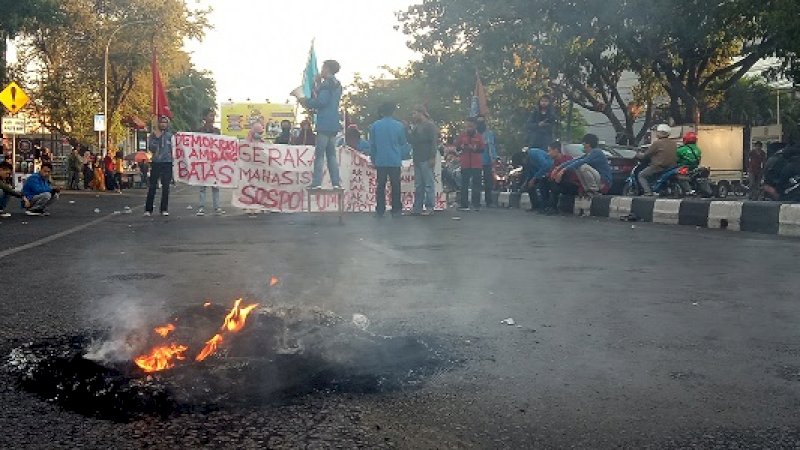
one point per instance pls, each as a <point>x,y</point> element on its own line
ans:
<point>275,177</point>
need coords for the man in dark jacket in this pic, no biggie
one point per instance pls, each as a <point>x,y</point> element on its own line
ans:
<point>306,135</point>
<point>541,123</point>
<point>424,139</point>
<point>326,103</point>
<point>7,191</point>
<point>286,133</point>
<point>74,167</point>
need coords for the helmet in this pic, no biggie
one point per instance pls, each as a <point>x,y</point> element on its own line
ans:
<point>690,137</point>
<point>664,128</point>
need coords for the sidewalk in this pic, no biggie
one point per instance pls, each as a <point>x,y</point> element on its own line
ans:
<point>738,215</point>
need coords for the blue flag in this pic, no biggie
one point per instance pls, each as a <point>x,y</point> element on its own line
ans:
<point>310,72</point>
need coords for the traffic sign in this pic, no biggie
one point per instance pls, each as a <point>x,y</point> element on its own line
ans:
<point>99,122</point>
<point>13,125</point>
<point>13,97</point>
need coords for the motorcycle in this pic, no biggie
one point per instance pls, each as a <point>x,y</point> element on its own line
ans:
<point>666,184</point>
<point>697,179</point>
<point>500,175</point>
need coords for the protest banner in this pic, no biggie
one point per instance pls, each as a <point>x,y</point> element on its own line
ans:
<point>205,159</point>
<point>275,178</point>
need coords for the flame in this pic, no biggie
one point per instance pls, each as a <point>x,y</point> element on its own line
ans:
<point>273,281</point>
<point>165,330</point>
<point>235,319</point>
<point>210,347</point>
<point>161,358</point>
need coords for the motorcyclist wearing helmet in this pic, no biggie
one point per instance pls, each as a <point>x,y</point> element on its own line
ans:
<point>689,156</point>
<point>663,155</point>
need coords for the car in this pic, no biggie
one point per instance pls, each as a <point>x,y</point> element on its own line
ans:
<point>621,159</point>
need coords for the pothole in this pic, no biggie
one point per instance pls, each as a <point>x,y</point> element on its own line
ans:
<point>280,355</point>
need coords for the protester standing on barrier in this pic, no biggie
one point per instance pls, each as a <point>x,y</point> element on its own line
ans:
<point>208,127</point>
<point>326,103</point>
<point>160,144</point>
<point>424,138</point>
<point>387,140</point>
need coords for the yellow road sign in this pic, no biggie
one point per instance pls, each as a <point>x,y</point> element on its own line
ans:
<point>13,97</point>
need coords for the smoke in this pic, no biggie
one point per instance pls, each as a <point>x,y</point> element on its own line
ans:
<point>129,321</point>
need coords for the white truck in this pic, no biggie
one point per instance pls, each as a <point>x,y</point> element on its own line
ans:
<point>723,154</point>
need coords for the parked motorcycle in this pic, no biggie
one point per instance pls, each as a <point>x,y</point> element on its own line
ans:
<point>666,184</point>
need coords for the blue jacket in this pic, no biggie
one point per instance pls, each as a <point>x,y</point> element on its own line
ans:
<point>326,103</point>
<point>595,158</point>
<point>539,164</point>
<point>387,141</point>
<point>35,184</point>
<point>491,148</point>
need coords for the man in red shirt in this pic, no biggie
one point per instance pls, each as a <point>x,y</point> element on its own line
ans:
<point>755,168</point>
<point>550,190</point>
<point>471,145</point>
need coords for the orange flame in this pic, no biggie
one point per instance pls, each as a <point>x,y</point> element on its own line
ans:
<point>273,281</point>
<point>161,358</point>
<point>165,330</point>
<point>210,347</point>
<point>235,319</point>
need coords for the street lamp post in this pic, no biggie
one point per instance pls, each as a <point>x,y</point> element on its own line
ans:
<point>105,77</point>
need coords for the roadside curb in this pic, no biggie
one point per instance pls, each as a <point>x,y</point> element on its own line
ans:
<point>757,217</point>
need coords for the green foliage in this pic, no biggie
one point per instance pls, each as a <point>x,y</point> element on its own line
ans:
<point>189,93</point>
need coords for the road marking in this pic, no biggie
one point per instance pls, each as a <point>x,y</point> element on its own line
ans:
<point>382,249</point>
<point>51,238</point>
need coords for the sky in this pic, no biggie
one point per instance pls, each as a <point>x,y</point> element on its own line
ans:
<point>259,48</point>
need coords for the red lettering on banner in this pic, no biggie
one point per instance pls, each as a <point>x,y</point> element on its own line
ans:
<point>271,198</point>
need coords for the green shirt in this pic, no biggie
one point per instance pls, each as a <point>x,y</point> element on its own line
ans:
<point>689,155</point>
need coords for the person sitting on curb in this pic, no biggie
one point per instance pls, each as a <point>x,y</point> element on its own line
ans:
<point>38,193</point>
<point>535,167</point>
<point>549,190</point>
<point>592,169</point>
<point>8,190</point>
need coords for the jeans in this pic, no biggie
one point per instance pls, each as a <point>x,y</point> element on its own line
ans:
<point>325,149</point>
<point>488,185</point>
<point>551,191</point>
<point>40,202</point>
<point>111,184</point>
<point>424,187</point>
<point>214,197</point>
<point>473,175</point>
<point>162,171</point>
<point>393,174</point>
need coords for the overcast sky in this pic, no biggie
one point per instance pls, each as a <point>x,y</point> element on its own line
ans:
<point>258,48</point>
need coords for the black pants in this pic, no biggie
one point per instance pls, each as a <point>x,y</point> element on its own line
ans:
<point>161,172</point>
<point>74,179</point>
<point>111,182</point>
<point>471,178</point>
<point>88,176</point>
<point>488,185</point>
<point>393,174</point>
<point>550,191</point>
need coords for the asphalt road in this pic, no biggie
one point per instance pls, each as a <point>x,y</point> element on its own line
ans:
<point>650,335</point>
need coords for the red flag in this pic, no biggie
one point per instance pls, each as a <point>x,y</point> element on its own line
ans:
<point>480,94</point>
<point>160,101</point>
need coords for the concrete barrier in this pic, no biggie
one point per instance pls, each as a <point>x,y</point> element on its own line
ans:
<point>758,217</point>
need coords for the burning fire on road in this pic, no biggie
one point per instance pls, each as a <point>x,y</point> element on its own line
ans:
<point>211,357</point>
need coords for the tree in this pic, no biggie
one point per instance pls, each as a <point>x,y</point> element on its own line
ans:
<point>69,56</point>
<point>190,92</point>
<point>18,17</point>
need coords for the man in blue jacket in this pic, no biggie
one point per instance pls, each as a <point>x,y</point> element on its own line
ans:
<point>535,168</point>
<point>592,169</point>
<point>387,140</point>
<point>326,103</point>
<point>38,192</point>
